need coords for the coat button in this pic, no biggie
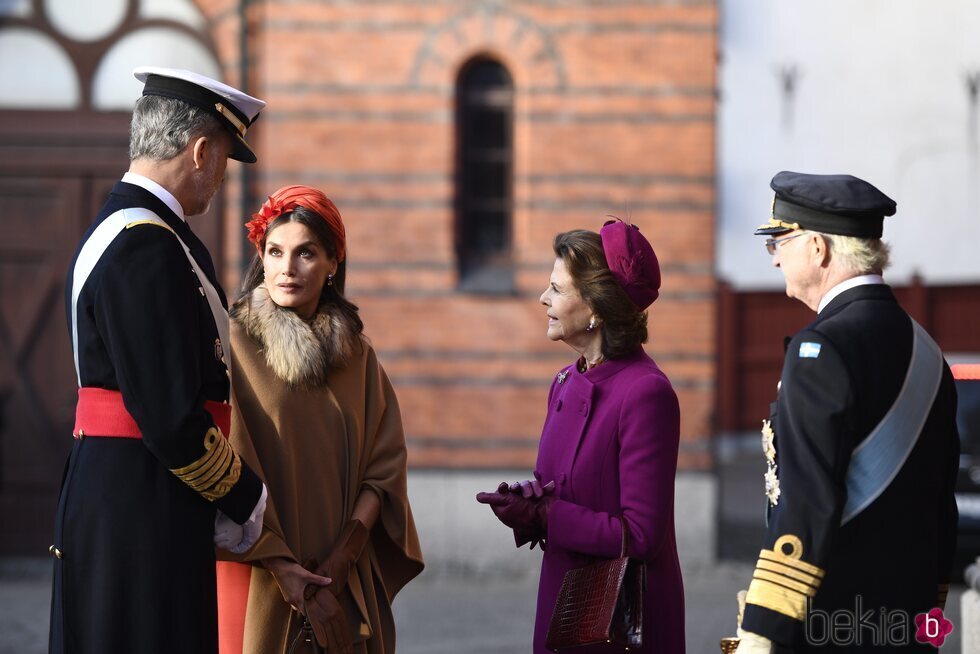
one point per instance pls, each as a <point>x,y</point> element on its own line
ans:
<point>54,550</point>
<point>558,406</point>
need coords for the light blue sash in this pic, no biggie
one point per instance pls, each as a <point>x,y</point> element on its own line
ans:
<point>877,459</point>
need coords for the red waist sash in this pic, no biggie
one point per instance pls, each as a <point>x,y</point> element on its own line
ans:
<point>101,412</point>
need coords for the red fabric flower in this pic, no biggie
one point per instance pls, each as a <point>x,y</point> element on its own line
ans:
<point>288,198</point>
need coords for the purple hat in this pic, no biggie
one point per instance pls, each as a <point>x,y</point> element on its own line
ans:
<point>632,261</point>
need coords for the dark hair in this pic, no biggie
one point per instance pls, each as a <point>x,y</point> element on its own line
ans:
<point>623,326</point>
<point>332,294</point>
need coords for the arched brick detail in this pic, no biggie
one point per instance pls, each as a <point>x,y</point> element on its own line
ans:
<point>519,42</point>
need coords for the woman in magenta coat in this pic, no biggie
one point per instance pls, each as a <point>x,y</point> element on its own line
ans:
<point>608,449</point>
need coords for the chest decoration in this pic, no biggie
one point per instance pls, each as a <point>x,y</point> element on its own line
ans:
<point>561,376</point>
<point>769,449</point>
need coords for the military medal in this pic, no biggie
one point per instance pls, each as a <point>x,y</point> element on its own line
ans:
<point>769,449</point>
<point>768,442</point>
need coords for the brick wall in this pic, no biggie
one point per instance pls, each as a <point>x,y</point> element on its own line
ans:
<point>614,104</point>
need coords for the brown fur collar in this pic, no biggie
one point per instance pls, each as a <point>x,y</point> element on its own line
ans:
<point>298,352</point>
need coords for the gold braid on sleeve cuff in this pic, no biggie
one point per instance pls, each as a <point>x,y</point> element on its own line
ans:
<point>782,582</point>
<point>216,472</point>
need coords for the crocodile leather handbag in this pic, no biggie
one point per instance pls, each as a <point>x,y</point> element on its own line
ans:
<point>600,603</point>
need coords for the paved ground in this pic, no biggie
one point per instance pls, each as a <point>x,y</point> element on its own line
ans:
<point>436,615</point>
<point>493,617</point>
<point>24,605</point>
<point>440,613</point>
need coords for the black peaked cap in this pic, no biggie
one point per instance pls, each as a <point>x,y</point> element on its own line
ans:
<point>831,204</point>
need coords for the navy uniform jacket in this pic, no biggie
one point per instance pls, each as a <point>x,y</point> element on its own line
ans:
<point>136,572</point>
<point>893,559</point>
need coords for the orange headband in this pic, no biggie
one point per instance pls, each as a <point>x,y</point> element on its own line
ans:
<point>288,198</point>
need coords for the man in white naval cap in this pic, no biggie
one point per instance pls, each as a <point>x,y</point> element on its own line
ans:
<point>151,484</point>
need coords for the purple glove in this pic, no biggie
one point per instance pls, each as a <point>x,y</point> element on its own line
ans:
<point>536,538</point>
<point>531,488</point>
<point>527,516</point>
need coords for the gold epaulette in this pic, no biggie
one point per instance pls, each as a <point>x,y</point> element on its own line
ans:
<point>782,582</point>
<point>215,473</point>
<point>137,223</point>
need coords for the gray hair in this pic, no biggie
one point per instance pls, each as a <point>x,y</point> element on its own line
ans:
<point>162,127</point>
<point>860,256</point>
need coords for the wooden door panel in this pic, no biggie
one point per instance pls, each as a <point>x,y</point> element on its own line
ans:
<point>754,323</point>
<point>37,379</point>
<point>44,217</point>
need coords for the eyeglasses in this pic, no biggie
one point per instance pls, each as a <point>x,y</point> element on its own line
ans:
<point>771,243</point>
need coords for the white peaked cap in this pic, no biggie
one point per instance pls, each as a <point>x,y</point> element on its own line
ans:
<point>235,110</point>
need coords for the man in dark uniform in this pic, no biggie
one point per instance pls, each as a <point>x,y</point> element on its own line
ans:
<point>152,484</point>
<point>861,445</point>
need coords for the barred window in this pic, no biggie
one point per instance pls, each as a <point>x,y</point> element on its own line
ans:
<point>484,172</point>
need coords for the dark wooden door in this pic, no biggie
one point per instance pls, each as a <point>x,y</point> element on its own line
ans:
<point>753,324</point>
<point>36,373</point>
<point>56,169</point>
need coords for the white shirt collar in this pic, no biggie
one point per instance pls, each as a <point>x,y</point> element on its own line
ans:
<point>848,284</point>
<point>161,193</point>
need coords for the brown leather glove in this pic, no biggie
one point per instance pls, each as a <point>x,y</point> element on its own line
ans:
<point>344,554</point>
<point>326,616</point>
<point>323,609</point>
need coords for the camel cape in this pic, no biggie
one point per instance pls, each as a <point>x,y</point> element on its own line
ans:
<point>317,419</point>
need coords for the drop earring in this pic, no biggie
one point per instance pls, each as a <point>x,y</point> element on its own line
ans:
<point>330,279</point>
<point>592,324</point>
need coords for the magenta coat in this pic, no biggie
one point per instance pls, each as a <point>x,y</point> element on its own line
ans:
<point>610,442</point>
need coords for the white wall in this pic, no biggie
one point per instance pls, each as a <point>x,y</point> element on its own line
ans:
<point>881,93</point>
<point>461,537</point>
